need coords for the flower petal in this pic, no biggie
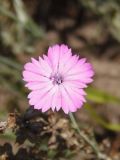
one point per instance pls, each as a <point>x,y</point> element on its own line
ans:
<point>32,77</point>
<point>57,100</point>
<point>67,103</point>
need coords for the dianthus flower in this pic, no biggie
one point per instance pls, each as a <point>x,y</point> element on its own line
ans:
<point>57,81</point>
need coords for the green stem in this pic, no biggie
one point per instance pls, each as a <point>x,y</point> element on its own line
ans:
<point>86,139</point>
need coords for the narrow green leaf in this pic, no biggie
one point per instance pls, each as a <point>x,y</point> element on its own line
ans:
<point>10,62</point>
<point>101,97</point>
<point>100,120</point>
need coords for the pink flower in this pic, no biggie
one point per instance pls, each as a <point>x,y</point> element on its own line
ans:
<point>57,80</point>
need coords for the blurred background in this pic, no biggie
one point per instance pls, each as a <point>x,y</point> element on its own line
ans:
<point>91,28</point>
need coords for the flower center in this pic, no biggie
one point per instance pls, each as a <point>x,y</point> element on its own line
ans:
<point>56,79</point>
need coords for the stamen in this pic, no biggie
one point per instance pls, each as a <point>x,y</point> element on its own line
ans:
<point>56,79</point>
